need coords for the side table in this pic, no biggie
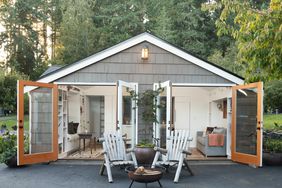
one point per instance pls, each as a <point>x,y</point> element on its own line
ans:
<point>84,136</point>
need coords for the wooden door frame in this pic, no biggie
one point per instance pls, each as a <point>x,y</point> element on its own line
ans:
<point>39,157</point>
<point>241,157</point>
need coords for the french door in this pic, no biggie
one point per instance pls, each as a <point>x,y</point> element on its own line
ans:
<point>163,128</point>
<point>127,111</point>
<point>37,122</point>
<point>247,118</point>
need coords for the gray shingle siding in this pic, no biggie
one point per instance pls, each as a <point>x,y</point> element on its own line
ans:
<point>128,66</point>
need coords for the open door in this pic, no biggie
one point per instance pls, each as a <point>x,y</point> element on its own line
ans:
<point>127,111</point>
<point>163,128</point>
<point>246,144</point>
<point>37,122</point>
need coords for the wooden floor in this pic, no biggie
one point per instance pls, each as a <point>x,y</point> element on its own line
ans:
<point>97,155</point>
<point>197,155</point>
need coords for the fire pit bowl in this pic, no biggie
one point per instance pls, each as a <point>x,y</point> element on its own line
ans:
<point>148,175</point>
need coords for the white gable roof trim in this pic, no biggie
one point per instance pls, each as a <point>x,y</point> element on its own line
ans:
<point>132,42</point>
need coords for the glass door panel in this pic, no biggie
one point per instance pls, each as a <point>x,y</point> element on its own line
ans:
<point>247,124</point>
<point>40,125</point>
<point>246,121</point>
<point>37,122</point>
<point>127,111</point>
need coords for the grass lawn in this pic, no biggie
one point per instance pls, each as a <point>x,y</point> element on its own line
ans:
<point>270,119</point>
<point>12,120</point>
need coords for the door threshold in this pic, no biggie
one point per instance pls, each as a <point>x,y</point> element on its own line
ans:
<point>208,159</point>
<point>212,162</point>
<point>77,162</point>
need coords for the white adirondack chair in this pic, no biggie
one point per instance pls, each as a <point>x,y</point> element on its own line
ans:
<point>115,153</point>
<point>176,152</point>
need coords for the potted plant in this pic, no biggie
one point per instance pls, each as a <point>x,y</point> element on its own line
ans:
<point>8,149</point>
<point>145,153</point>
<point>272,146</point>
<point>147,103</point>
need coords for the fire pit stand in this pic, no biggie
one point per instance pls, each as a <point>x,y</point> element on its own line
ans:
<point>150,175</point>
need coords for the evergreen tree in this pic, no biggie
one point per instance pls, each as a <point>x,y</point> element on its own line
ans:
<point>77,38</point>
<point>193,29</point>
<point>25,24</point>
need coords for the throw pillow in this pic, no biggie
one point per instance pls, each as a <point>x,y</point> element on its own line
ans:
<point>218,130</point>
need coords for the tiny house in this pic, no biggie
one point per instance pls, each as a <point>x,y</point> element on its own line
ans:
<point>92,95</point>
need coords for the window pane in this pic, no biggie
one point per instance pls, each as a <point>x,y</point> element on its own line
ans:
<point>246,121</point>
<point>39,128</point>
<point>127,110</point>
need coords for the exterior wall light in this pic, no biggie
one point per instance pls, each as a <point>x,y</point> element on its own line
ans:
<point>145,53</point>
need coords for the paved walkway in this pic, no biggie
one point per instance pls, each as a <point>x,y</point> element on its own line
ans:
<point>81,176</point>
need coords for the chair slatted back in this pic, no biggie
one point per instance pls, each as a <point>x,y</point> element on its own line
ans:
<point>114,145</point>
<point>178,142</point>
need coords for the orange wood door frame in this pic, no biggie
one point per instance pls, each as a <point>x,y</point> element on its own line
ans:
<point>38,157</point>
<point>243,157</point>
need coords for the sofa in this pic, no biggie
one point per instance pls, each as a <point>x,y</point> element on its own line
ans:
<point>203,142</point>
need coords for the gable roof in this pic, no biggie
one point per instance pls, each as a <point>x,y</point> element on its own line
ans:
<point>144,37</point>
<point>51,69</point>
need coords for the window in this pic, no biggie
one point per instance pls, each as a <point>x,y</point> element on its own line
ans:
<point>163,110</point>
<point>127,109</point>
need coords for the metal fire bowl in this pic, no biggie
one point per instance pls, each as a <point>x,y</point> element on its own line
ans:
<point>145,178</point>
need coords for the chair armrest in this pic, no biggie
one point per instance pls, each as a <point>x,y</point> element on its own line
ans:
<point>101,140</point>
<point>160,150</point>
<point>186,152</point>
<point>126,139</point>
<point>130,150</point>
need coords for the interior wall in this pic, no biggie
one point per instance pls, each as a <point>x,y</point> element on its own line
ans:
<point>109,93</point>
<point>217,119</point>
<point>74,107</point>
<point>220,93</point>
<point>197,118</point>
<point>196,108</point>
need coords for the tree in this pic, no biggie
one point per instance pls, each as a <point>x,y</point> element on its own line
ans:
<point>193,29</point>
<point>258,32</point>
<point>77,31</point>
<point>116,22</point>
<point>8,90</point>
<point>273,96</point>
<point>23,21</point>
<point>228,60</point>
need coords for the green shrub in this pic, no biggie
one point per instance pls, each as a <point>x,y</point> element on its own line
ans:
<point>273,96</point>
<point>8,147</point>
<point>273,145</point>
<point>145,143</point>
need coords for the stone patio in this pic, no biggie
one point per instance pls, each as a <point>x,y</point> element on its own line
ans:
<point>84,176</point>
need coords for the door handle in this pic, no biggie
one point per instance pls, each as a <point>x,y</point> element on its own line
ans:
<point>20,124</point>
<point>258,128</point>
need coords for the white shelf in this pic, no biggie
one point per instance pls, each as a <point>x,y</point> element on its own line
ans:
<point>62,116</point>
